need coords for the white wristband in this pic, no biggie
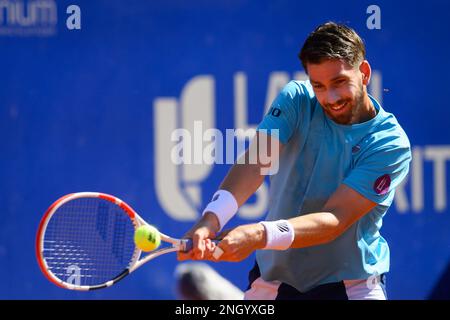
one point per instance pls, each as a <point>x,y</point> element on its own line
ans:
<point>223,205</point>
<point>280,234</point>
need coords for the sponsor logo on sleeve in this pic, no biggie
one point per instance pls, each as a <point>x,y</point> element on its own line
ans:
<point>382,184</point>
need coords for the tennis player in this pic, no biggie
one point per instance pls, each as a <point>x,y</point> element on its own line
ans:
<point>341,157</point>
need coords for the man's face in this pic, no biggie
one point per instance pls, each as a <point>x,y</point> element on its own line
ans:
<point>339,88</point>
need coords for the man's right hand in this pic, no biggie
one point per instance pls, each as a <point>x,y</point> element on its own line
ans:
<point>201,234</point>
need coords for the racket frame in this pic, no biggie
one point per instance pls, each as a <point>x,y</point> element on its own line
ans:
<point>135,263</point>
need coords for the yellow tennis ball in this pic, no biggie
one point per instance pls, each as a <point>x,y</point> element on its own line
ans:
<point>147,238</point>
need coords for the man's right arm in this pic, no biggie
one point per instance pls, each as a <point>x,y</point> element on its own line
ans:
<point>242,180</point>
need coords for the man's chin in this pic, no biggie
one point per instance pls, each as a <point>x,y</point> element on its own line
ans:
<point>344,119</point>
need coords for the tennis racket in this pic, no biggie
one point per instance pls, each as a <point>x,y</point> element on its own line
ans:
<point>85,241</point>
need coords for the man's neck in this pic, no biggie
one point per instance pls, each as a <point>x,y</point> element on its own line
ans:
<point>368,110</point>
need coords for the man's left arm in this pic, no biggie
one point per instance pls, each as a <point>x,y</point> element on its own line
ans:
<point>343,208</point>
<point>371,183</point>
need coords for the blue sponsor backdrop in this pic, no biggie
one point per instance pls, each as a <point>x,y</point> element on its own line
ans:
<point>79,111</point>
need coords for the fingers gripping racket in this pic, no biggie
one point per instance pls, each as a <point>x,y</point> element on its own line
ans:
<point>85,241</point>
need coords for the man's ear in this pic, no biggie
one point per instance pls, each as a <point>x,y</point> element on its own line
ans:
<point>366,72</point>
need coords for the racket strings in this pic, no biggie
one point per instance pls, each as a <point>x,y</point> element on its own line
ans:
<point>88,241</point>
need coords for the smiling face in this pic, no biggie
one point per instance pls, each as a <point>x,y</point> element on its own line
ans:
<point>333,56</point>
<point>341,89</point>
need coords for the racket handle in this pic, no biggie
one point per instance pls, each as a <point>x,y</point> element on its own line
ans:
<point>187,244</point>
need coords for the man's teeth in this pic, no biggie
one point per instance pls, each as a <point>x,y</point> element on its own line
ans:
<point>339,107</point>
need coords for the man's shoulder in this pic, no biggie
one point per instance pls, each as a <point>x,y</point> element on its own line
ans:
<point>300,87</point>
<point>390,132</point>
<point>299,95</point>
<point>386,138</point>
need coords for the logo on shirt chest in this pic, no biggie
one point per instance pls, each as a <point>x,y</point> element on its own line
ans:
<point>356,148</point>
<point>382,184</point>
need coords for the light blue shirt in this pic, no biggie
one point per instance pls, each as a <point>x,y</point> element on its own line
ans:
<point>371,157</point>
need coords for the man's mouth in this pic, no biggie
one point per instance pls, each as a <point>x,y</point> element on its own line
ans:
<point>339,107</point>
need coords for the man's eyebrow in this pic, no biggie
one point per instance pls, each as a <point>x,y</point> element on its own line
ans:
<point>339,76</point>
<point>334,79</point>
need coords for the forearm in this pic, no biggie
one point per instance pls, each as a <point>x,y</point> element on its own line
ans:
<point>315,229</point>
<point>242,181</point>
<point>344,207</point>
<point>299,232</point>
<point>247,175</point>
<point>309,230</point>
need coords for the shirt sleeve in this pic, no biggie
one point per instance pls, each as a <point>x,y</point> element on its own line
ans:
<point>381,170</point>
<point>283,114</point>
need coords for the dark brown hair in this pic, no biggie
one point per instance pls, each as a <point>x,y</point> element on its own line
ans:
<point>332,41</point>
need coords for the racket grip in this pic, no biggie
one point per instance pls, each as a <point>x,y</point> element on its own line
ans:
<point>186,244</point>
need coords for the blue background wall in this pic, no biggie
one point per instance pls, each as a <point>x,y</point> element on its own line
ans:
<point>77,113</point>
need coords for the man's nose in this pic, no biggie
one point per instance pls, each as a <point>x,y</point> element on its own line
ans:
<point>332,97</point>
